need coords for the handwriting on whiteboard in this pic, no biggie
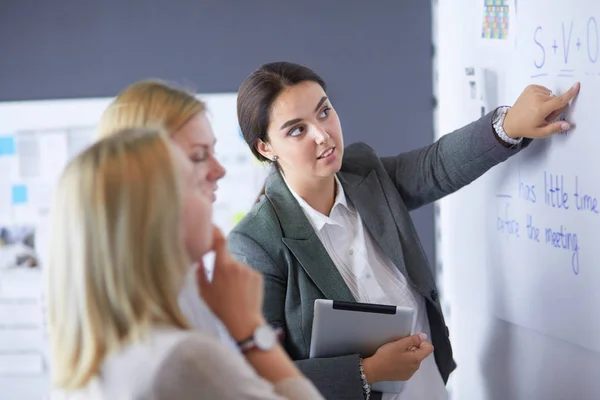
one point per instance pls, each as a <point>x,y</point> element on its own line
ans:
<point>565,194</point>
<point>567,50</point>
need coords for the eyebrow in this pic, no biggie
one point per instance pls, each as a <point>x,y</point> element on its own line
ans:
<point>290,122</point>
<point>295,121</point>
<point>214,143</point>
<point>320,103</point>
<point>200,149</point>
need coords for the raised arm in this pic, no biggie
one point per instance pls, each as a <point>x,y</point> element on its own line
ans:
<point>457,159</point>
<point>427,174</point>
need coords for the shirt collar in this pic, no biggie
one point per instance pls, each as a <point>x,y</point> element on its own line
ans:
<point>316,218</point>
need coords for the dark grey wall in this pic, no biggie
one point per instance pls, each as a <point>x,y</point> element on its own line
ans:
<point>375,56</point>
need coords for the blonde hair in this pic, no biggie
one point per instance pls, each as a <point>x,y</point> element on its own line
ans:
<point>117,260</point>
<point>150,104</point>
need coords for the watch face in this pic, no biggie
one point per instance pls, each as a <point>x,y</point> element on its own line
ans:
<point>265,337</point>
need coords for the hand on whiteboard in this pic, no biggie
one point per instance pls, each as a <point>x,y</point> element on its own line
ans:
<point>398,360</point>
<point>235,293</point>
<point>532,113</point>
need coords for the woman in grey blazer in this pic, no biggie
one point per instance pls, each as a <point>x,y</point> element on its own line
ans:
<point>334,222</point>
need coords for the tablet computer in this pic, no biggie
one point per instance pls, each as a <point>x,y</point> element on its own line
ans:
<point>341,328</point>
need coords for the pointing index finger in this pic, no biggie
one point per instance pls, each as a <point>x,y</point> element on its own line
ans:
<point>558,102</point>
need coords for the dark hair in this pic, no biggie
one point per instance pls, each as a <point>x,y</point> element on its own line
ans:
<point>258,92</point>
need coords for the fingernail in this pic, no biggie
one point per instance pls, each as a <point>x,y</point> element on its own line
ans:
<point>575,85</point>
<point>422,336</point>
<point>565,126</point>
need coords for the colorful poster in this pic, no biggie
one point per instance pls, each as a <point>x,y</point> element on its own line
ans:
<point>495,19</point>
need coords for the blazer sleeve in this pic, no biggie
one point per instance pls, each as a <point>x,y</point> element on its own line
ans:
<point>427,174</point>
<point>202,367</point>
<point>336,377</point>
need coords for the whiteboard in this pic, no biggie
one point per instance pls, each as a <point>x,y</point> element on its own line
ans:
<point>544,204</point>
<point>518,247</point>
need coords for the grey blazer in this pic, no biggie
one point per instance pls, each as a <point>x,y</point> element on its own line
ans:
<point>277,239</point>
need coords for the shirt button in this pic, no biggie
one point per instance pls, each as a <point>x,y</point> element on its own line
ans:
<point>351,251</point>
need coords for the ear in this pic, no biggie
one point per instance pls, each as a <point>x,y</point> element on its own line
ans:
<point>264,149</point>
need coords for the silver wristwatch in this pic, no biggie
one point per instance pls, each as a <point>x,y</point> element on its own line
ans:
<point>498,124</point>
<point>264,338</point>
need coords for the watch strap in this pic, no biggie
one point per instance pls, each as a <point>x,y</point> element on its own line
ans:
<point>498,125</point>
<point>250,344</point>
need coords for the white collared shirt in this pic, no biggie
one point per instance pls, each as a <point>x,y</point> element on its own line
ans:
<point>373,278</point>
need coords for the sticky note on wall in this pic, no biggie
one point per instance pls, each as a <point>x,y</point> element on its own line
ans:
<point>7,146</point>
<point>237,217</point>
<point>19,194</point>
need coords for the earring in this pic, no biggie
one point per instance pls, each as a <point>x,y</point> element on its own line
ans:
<point>274,158</point>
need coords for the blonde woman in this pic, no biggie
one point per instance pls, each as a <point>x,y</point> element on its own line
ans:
<point>151,103</point>
<point>129,216</point>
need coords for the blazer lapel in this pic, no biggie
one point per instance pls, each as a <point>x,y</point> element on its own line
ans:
<point>302,240</point>
<point>367,196</point>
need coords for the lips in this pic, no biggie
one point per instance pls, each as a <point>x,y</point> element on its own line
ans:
<point>211,192</point>
<point>326,153</point>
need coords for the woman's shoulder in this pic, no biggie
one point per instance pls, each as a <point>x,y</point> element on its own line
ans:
<point>261,221</point>
<point>194,342</point>
<point>257,239</point>
<point>359,154</point>
<point>199,362</point>
<point>194,350</point>
<point>134,369</point>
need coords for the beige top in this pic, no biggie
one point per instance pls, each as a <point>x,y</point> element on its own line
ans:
<point>176,364</point>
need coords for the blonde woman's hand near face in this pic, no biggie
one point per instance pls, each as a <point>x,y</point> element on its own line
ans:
<point>235,293</point>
